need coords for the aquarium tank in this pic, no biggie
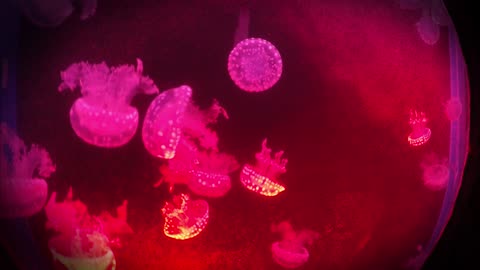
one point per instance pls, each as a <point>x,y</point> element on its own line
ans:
<point>229,134</point>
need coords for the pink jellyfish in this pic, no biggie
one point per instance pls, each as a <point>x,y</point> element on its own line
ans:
<point>163,120</point>
<point>262,178</point>
<point>84,241</point>
<point>23,190</point>
<point>435,172</point>
<point>205,172</point>
<point>453,109</point>
<point>420,133</point>
<point>255,65</point>
<point>103,115</point>
<point>290,252</point>
<point>185,218</point>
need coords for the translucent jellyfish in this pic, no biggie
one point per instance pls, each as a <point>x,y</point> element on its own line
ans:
<point>161,128</point>
<point>103,116</point>
<point>436,172</point>
<point>205,172</point>
<point>84,241</point>
<point>23,190</point>
<point>262,178</point>
<point>291,252</point>
<point>185,218</point>
<point>255,65</point>
<point>434,14</point>
<point>420,133</point>
<point>453,109</point>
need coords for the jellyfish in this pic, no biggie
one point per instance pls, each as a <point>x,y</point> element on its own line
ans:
<point>420,133</point>
<point>23,189</point>
<point>434,14</point>
<point>453,109</point>
<point>103,115</point>
<point>206,173</point>
<point>84,241</point>
<point>163,120</point>
<point>262,178</point>
<point>184,218</point>
<point>255,65</point>
<point>435,172</point>
<point>291,252</point>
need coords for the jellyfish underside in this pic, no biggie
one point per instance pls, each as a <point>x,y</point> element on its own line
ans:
<point>420,133</point>
<point>436,172</point>
<point>103,115</point>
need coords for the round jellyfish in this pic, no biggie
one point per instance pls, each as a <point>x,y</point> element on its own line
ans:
<point>162,125</point>
<point>84,240</point>
<point>206,173</point>
<point>291,252</point>
<point>420,133</point>
<point>453,109</point>
<point>23,189</point>
<point>436,172</point>
<point>255,65</point>
<point>103,115</point>
<point>262,177</point>
<point>184,218</point>
<point>427,28</point>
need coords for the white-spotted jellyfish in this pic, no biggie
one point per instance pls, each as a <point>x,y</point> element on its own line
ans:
<point>291,251</point>
<point>255,65</point>
<point>262,177</point>
<point>436,172</point>
<point>103,115</point>
<point>420,132</point>
<point>163,121</point>
<point>83,241</point>
<point>185,218</point>
<point>23,189</point>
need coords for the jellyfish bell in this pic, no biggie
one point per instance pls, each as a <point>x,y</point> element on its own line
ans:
<point>427,28</point>
<point>84,251</point>
<point>262,177</point>
<point>255,65</point>
<point>185,218</point>
<point>163,121</point>
<point>453,109</point>
<point>436,172</point>
<point>23,170</point>
<point>420,132</point>
<point>103,115</point>
<point>288,258</point>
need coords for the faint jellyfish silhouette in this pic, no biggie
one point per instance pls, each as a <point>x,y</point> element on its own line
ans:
<point>255,65</point>
<point>453,109</point>
<point>420,133</point>
<point>184,218</point>
<point>262,178</point>
<point>162,125</point>
<point>84,241</point>
<point>434,14</point>
<point>103,116</point>
<point>206,173</point>
<point>291,252</point>
<point>23,189</point>
<point>436,172</point>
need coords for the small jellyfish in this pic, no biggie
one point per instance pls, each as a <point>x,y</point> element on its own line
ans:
<point>262,178</point>
<point>453,109</point>
<point>84,241</point>
<point>162,125</point>
<point>435,172</point>
<point>291,252</point>
<point>428,30</point>
<point>23,189</point>
<point>184,218</point>
<point>255,65</point>
<point>420,133</point>
<point>103,115</point>
<point>206,173</point>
